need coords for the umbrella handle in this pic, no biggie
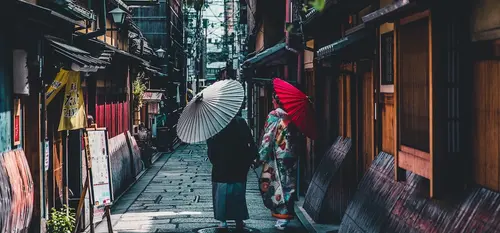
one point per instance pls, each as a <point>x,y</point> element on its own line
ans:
<point>310,99</point>
<point>199,97</point>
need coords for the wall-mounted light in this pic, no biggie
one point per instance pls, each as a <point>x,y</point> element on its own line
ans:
<point>161,53</point>
<point>118,15</point>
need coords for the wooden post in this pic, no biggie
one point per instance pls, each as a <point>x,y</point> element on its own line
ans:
<point>88,184</point>
<point>107,213</point>
<point>32,137</point>
<point>80,204</point>
<point>399,173</point>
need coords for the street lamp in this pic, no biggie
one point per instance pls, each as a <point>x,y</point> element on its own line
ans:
<point>161,53</point>
<point>118,15</point>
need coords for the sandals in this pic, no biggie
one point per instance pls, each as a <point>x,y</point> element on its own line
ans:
<point>281,224</point>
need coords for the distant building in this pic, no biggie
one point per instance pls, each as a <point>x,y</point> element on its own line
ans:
<point>213,70</point>
<point>153,21</point>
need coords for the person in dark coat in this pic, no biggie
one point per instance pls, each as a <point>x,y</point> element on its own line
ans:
<point>231,152</point>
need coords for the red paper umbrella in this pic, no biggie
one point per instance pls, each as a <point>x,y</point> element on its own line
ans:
<point>298,106</point>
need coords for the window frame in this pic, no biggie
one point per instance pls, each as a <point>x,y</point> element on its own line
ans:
<point>385,51</point>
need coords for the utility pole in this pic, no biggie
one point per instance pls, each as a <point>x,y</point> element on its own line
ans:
<point>204,55</point>
<point>225,47</point>
<point>233,52</point>
<point>168,46</point>
<point>198,49</point>
<point>185,34</point>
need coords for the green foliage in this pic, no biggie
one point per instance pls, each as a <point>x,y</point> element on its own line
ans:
<point>138,88</point>
<point>305,7</point>
<point>319,5</point>
<point>289,27</point>
<point>61,221</point>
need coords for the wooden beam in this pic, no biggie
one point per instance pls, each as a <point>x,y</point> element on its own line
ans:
<point>417,164</point>
<point>415,152</point>
<point>373,105</point>
<point>399,174</point>
<point>415,17</point>
<point>34,156</point>
<point>356,82</point>
<point>431,110</point>
<point>377,133</point>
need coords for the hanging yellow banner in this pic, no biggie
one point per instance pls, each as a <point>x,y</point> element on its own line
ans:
<point>73,112</point>
<point>57,85</point>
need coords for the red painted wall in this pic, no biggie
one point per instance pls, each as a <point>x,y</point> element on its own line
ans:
<point>113,115</point>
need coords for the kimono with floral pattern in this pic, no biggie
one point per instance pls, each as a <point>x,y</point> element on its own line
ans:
<point>276,143</point>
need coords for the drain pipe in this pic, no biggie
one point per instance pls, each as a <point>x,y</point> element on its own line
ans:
<point>102,25</point>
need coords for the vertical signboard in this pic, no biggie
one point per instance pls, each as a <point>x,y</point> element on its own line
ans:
<point>101,175</point>
<point>47,155</point>
<point>17,122</point>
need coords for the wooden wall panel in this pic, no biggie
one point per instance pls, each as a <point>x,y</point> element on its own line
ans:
<point>348,106</point>
<point>109,119</point>
<point>387,119</point>
<point>309,158</point>
<point>366,133</point>
<point>341,103</point>
<point>55,177</point>
<point>120,117</point>
<point>33,150</point>
<point>57,159</point>
<point>329,109</point>
<point>345,106</point>
<point>486,123</point>
<point>113,122</point>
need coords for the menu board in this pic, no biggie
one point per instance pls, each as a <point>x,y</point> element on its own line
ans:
<point>101,178</point>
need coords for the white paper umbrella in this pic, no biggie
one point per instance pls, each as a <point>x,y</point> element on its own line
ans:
<point>210,111</point>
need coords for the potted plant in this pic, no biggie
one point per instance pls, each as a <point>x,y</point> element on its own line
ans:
<point>61,221</point>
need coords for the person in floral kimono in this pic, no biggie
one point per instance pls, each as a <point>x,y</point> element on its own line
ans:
<point>278,179</point>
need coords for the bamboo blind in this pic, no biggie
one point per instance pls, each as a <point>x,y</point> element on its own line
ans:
<point>414,85</point>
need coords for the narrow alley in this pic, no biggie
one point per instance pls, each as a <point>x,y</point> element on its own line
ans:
<point>364,116</point>
<point>175,195</point>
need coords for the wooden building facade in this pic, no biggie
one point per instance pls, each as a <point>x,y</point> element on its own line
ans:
<point>163,26</point>
<point>44,37</point>
<point>271,55</point>
<point>408,78</point>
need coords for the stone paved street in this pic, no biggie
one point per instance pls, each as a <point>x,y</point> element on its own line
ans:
<point>175,196</point>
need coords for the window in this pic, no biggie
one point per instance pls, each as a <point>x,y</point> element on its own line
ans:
<point>413,83</point>
<point>386,52</point>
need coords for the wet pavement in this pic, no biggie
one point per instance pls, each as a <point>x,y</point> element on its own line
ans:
<point>175,195</point>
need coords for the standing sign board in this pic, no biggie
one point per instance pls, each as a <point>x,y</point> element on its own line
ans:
<point>98,180</point>
<point>101,174</point>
